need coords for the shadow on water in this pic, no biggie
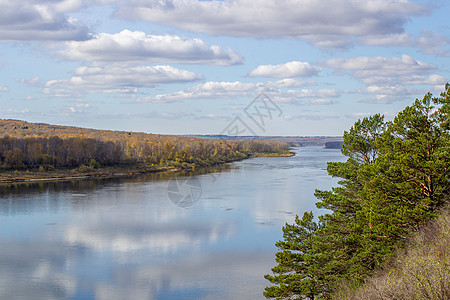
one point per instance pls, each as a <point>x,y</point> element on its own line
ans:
<point>86,185</point>
<point>32,197</point>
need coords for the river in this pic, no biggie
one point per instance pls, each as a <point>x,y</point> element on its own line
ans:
<point>156,236</point>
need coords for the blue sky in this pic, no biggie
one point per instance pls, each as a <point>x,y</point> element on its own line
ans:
<point>192,67</point>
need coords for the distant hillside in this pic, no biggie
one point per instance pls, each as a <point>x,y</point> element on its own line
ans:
<point>20,129</point>
<point>293,141</point>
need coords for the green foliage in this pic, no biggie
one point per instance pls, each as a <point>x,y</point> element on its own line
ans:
<point>394,181</point>
<point>292,274</point>
<point>359,142</point>
<point>94,164</point>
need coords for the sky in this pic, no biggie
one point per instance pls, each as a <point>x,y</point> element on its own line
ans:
<point>237,67</point>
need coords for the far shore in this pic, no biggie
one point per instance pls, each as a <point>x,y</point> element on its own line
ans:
<point>60,174</point>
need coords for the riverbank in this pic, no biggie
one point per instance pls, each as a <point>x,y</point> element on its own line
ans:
<point>39,174</point>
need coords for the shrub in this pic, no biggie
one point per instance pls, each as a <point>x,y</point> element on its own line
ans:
<point>422,271</point>
<point>84,168</point>
<point>94,164</point>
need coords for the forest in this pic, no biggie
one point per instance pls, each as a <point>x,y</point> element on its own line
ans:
<point>379,237</point>
<point>31,146</point>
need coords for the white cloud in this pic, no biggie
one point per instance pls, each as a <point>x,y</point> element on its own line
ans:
<point>157,114</point>
<point>358,115</point>
<point>118,79</point>
<point>78,108</point>
<point>434,43</point>
<point>427,42</point>
<point>388,90</point>
<point>213,117</point>
<point>236,89</point>
<point>381,69</point>
<point>311,116</point>
<point>309,93</point>
<point>29,20</point>
<point>35,81</point>
<point>326,23</point>
<point>396,39</point>
<point>287,70</point>
<point>13,111</point>
<point>4,89</point>
<point>286,83</point>
<point>433,79</point>
<point>384,99</point>
<point>137,46</point>
<point>321,101</point>
<point>208,90</point>
<point>387,77</point>
<point>387,94</point>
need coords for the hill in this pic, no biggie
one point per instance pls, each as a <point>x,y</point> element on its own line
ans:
<point>293,141</point>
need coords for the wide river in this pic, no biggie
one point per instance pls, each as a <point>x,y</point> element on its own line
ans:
<point>156,236</point>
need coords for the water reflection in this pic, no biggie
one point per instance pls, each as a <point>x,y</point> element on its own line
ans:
<point>122,238</point>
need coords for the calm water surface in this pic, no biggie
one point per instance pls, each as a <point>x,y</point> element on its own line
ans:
<point>125,238</point>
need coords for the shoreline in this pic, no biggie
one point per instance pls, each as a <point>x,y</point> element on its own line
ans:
<point>63,174</point>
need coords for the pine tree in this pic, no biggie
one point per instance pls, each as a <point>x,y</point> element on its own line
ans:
<point>340,242</point>
<point>410,179</point>
<point>395,180</point>
<point>293,275</point>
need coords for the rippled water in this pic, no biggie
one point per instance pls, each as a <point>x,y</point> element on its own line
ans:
<point>203,236</point>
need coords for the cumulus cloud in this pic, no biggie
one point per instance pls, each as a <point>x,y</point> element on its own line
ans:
<point>229,90</point>
<point>117,80</point>
<point>310,93</point>
<point>30,20</point>
<point>137,46</point>
<point>434,43</point>
<point>387,78</point>
<point>208,90</point>
<point>397,39</point>
<point>12,112</point>
<point>384,99</point>
<point>321,101</point>
<point>389,90</point>
<point>427,42</point>
<point>287,70</point>
<point>433,79</point>
<point>311,116</point>
<point>358,115</point>
<point>381,69</point>
<point>323,22</point>
<point>286,83</point>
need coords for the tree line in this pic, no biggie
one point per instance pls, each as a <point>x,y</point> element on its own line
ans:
<point>395,180</point>
<point>68,151</point>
